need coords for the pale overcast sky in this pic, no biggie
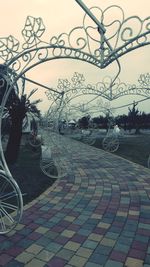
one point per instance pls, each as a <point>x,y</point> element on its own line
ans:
<point>61,16</point>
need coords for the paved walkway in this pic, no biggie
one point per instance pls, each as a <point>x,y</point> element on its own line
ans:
<point>99,215</point>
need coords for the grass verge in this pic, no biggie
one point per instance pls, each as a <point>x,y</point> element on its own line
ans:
<point>134,148</point>
<point>28,175</point>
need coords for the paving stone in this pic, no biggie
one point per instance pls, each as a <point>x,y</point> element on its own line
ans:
<point>14,263</point>
<point>5,259</point>
<point>112,235</point>
<point>84,252</point>
<point>92,264</point>
<point>118,256</point>
<point>43,241</point>
<point>122,247</point>
<point>68,233</point>
<point>147,259</point>
<point>52,235</point>
<point>95,237</point>
<point>85,232</point>
<point>136,253</point>
<point>65,254</point>
<point>55,261</point>
<point>97,215</point>
<point>42,230</point>
<point>35,262</point>
<point>53,247</point>
<point>103,250</point>
<point>62,240</point>
<point>34,236</point>
<point>24,257</point>
<point>98,258</point>
<point>72,245</point>
<point>133,262</point>
<point>78,261</point>
<point>112,263</point>
<point>45,255</point>
<point>25,231</point>
<point>108,242</point>
<point>34,248</point>
<point>6,245</point>
<point>25,243</point>
<point>90,244</point>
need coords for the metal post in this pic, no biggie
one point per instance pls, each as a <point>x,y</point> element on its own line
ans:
<point>84,7</point>
<point>41,85</point>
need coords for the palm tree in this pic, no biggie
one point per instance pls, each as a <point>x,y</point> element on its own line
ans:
<point>18,104</point>
<point>18,110</point>
<point>133,116</point>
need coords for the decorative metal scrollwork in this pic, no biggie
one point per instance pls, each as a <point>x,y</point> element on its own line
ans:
<point>85,42</point>
<point>144,80</point>
<point>76,87</point>
<point>33,30</point>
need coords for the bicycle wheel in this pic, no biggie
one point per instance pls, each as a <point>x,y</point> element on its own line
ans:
<point>11,204</point>
<point>88,140</point>
<point>34,141</point>
<point>110,144</point>
<point>53,164</point>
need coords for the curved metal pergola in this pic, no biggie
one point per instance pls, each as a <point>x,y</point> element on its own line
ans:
<point>67,91</point>
<point>94,44</point>
<point>76,87</point>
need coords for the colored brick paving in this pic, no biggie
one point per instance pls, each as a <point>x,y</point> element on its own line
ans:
<point>98,215</point>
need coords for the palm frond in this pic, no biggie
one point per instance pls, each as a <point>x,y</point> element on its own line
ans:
<point>35,102</point>
<point>32,92</point>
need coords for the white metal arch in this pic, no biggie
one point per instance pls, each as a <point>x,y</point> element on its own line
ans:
<point>35,51</point>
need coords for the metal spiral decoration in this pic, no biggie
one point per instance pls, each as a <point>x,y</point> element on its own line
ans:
<point>85,42</point>
<point>76,86</point>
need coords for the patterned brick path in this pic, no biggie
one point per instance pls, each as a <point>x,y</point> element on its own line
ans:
<point>99,215</point>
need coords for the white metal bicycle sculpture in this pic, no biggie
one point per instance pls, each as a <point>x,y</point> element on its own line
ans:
<point>54,162</point>
<point>111,141</point>
<point>18,60</point>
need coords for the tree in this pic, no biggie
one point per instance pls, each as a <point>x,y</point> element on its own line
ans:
<point>122,121</point>
<point>18,104</point>
<point>101,122</point>
<point>133,115</point>
<point>84,122</point>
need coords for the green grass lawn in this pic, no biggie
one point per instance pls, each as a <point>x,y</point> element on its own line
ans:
<point>28,175</point>
<point>134,148</point>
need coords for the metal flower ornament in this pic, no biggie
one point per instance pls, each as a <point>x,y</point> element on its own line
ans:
<point>67,90</point>
<point>99,44</point>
